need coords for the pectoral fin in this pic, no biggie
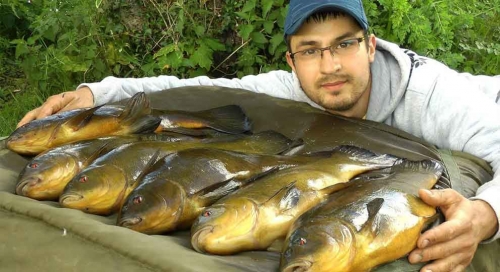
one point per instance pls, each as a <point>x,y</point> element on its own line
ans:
<point>261,175</point>
<point>286,198</point>
<point>148,168</point>
<point>209,195</point>
<point>370,227</point>
<point>96,154</point>
<point>80,120</point>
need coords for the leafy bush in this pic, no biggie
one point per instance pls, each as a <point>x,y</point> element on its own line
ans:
<point>73,41</point>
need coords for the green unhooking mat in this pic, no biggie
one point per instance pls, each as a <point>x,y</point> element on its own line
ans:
<point>42,236</point>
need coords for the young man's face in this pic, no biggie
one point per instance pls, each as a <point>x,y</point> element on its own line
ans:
<point>340,83</point>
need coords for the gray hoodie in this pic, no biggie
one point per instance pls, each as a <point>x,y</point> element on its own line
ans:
<point>408,92</point>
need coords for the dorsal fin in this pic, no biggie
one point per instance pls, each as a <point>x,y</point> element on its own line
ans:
<point>137,105</point>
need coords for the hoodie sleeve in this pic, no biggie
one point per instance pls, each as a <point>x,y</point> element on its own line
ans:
<point>458,116</point>
<point>280,84</point>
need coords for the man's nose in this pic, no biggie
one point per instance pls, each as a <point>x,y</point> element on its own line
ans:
<point>329,63</point>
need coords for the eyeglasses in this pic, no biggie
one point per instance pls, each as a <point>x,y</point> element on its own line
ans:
<point>344,48</point>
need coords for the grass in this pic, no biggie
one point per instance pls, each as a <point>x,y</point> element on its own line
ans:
<point>14,105</point>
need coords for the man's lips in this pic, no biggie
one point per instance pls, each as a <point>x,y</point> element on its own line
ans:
<point>333,86</point>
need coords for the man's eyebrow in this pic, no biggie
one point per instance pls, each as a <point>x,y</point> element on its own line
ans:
<point>304,43</point>
<point>338,39</point>
<point>345,36</point>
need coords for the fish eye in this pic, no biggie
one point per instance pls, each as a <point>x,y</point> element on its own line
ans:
<point>83,179</point>
<point>33,165</point>
<point>137,200</point>
<point>207,213</point>
<point>302,241</point>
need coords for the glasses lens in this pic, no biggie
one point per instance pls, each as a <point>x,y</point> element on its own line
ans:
<point>345,48</point>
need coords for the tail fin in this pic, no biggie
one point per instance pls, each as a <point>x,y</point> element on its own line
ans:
<point>229,119</point>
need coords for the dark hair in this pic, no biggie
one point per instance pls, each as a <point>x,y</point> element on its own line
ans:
<point>322,16</point>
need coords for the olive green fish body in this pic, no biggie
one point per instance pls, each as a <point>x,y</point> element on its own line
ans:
<point>256,215</point>
<point>35,136</point>
<point>109,180</point>
<point>101,187</point>
<point>376,219</point>
<point>83,124</point>
<point>173,196</point>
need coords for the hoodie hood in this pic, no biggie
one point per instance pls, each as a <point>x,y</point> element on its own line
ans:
<point>391,70</point>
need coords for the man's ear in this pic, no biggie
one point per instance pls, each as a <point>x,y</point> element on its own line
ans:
<point>372,44</point>
<point>289,60</point>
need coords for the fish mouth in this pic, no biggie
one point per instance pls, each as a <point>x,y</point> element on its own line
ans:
<point>298,266</point>
<point>69,198</point>
<point>199,236</point>
<point>129,222</point>
<point>25,184</point>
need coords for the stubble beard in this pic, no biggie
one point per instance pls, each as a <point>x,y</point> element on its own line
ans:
<point>343,101</point>
<point>339,104</point>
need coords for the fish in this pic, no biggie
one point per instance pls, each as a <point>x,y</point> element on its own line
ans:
<point>229,119</point>
<point>253,217</point>
<point>102,187</point>
<point>171,197</point>
<point>375,220</point>
<point>46,175</point>
<point>84,124</point>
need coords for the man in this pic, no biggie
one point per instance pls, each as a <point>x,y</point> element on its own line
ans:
<point>339,67</point>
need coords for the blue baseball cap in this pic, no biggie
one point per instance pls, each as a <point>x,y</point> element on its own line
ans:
<point>300,10</point>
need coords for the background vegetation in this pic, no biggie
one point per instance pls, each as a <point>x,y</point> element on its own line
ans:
<point>49,46</point>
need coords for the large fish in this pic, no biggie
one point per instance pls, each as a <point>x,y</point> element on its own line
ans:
<point>46,175</point>
<point>172,196</point>
<point>102,187</point>
<point>227,119</point>
<point>258,214</point>
<point>377,219</point>
<point>83,124</point>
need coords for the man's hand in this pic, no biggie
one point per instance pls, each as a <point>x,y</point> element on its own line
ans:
<point>80,98</point>
<point>451,245</point>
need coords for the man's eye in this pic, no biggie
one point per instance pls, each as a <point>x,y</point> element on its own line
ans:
<point>309,52</point>
<point>346,44</point>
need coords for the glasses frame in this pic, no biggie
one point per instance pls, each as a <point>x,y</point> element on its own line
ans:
<point>329,48</point>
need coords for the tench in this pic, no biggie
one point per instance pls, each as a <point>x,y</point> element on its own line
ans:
<point>258,214</point>
<point>377,219</point>
<point>171,197</point>
<point>46,175</point>
<point>104,185</point>
<point>229,119</point>
<point>83,124</point>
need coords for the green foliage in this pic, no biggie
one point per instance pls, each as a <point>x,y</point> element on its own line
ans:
<point>464,36</point>
<point>52,46</point>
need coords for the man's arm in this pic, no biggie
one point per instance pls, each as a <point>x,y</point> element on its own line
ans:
<point>280,84</point>
<point>276,83</point>
<point>458,116</point>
